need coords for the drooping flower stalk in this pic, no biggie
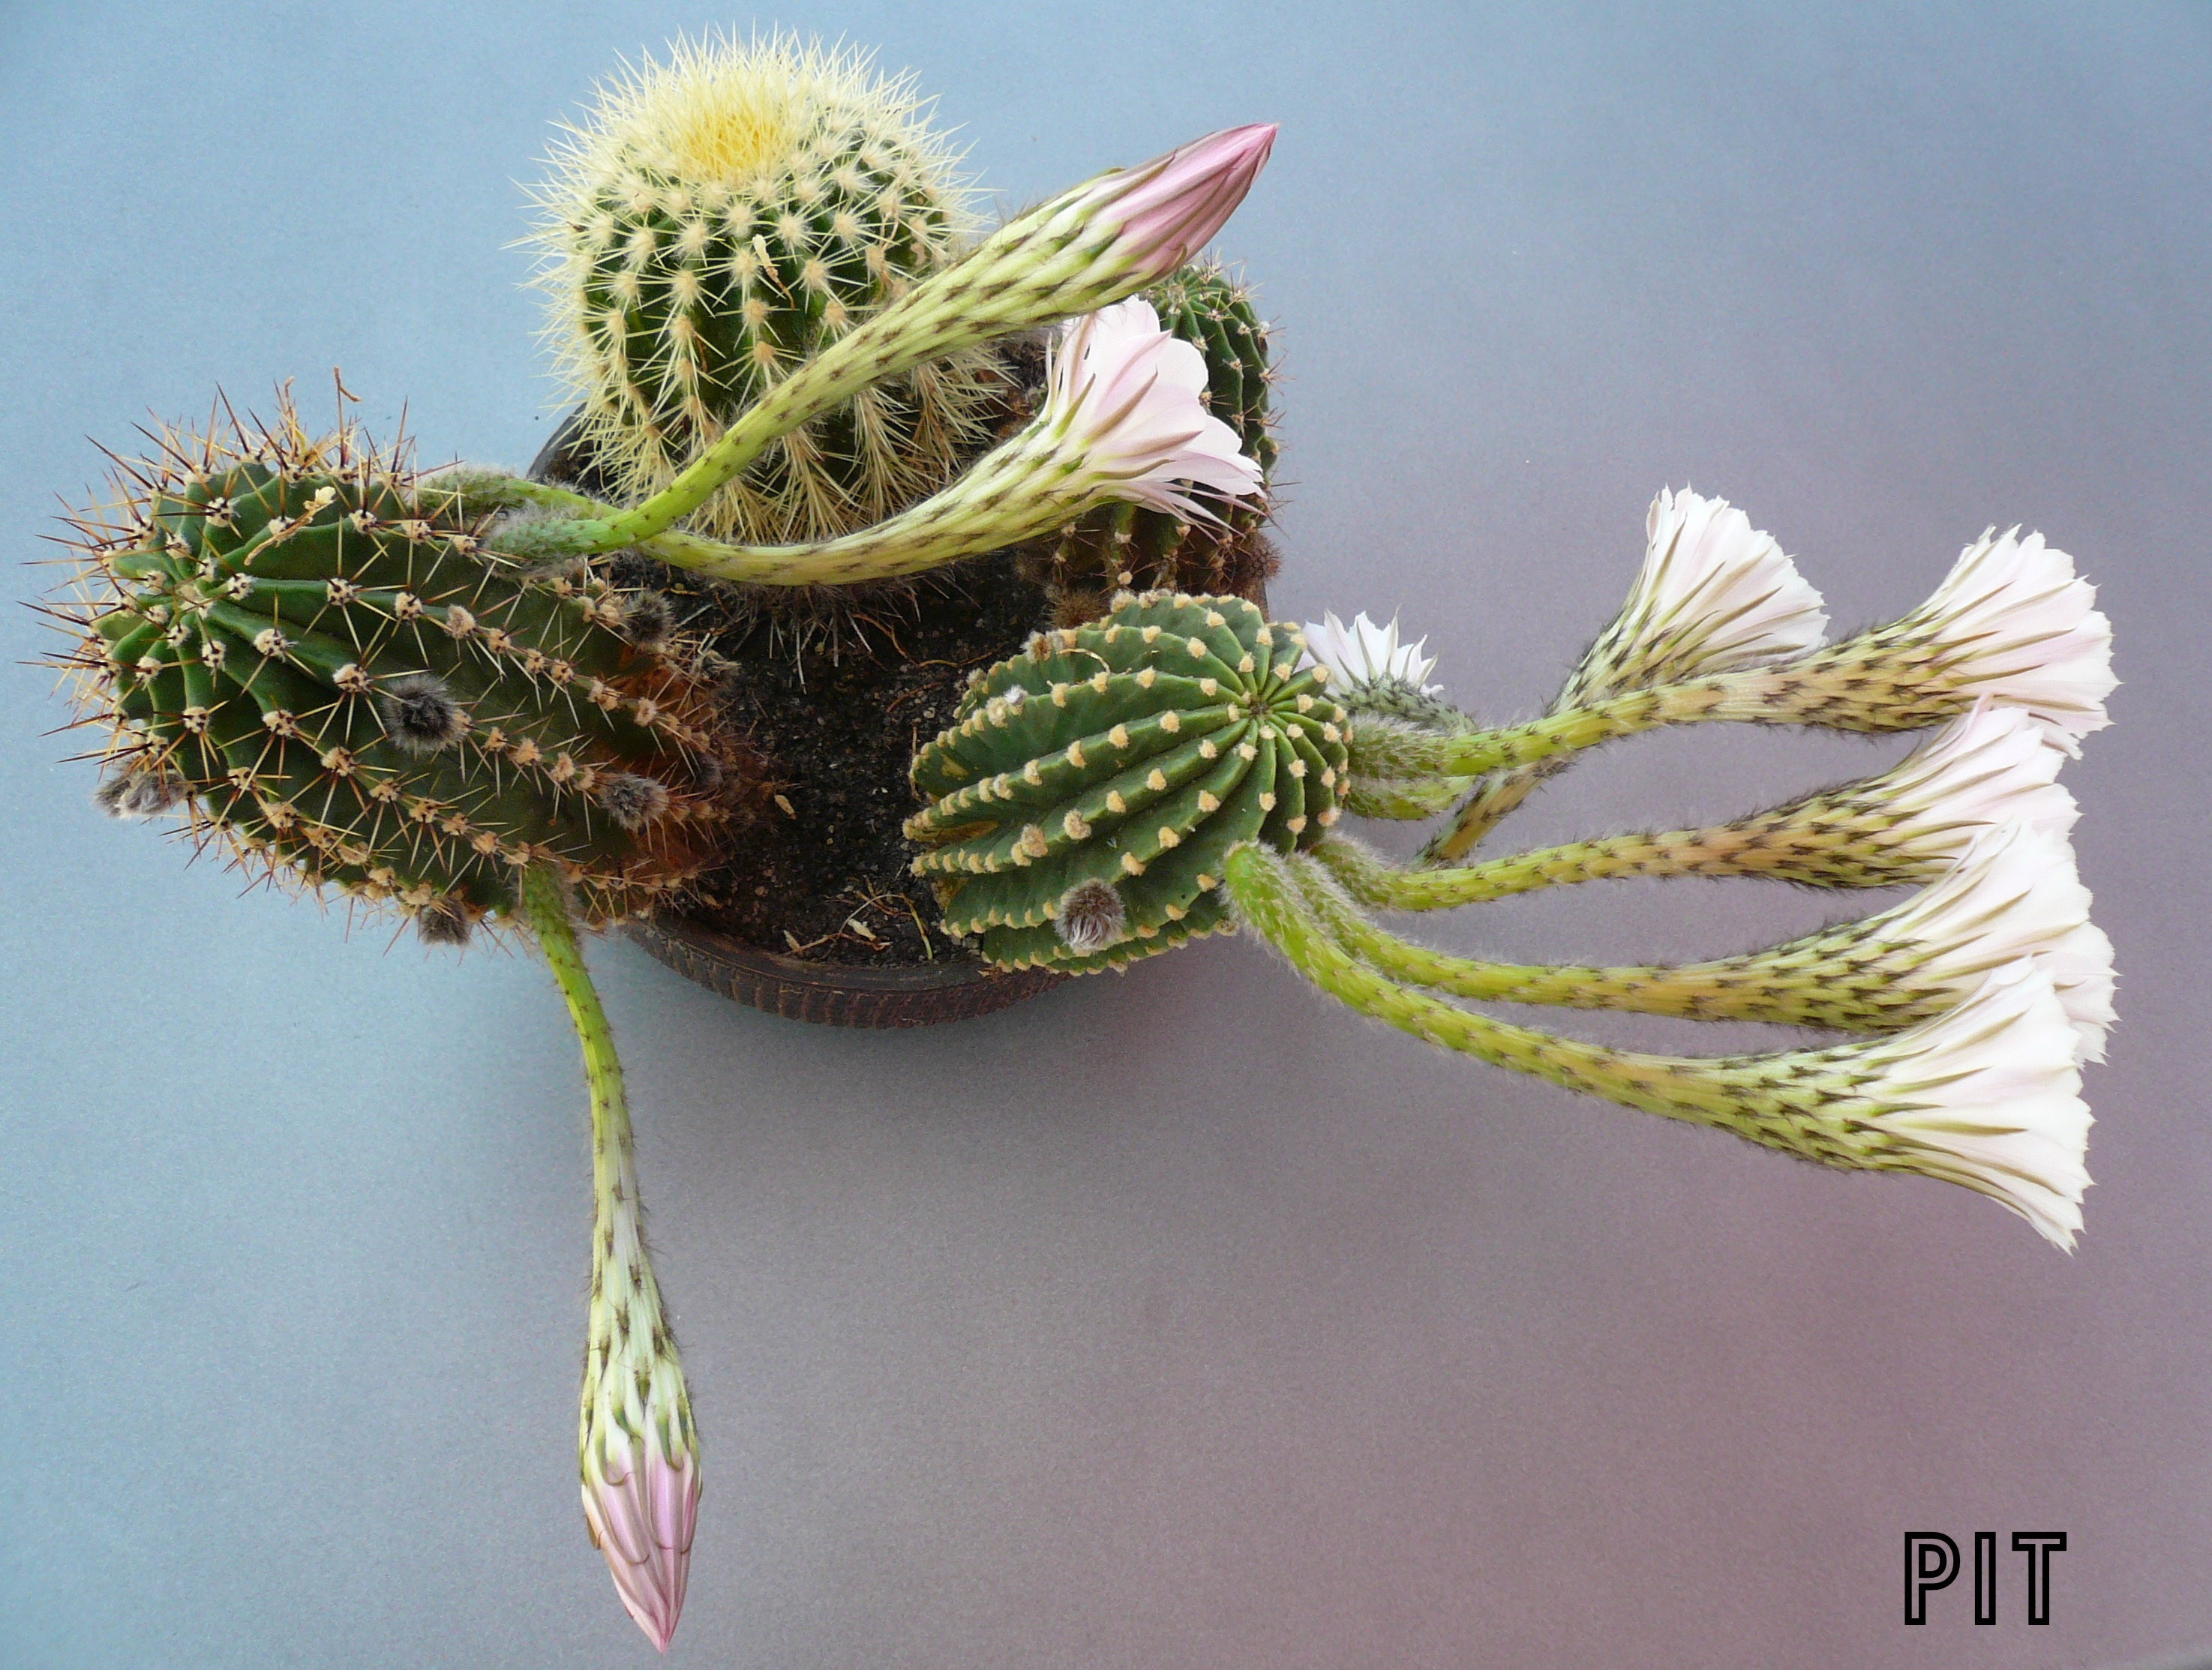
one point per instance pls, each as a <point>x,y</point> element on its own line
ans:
<point>1993,768</point>
<point>636,1449</point>
<point>2011,622</point>
<point>2015,895</point>
<point>1081,251</point>
<point>1985,1096</point>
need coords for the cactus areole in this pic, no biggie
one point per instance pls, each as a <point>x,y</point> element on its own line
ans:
<point>305,645</point>
<point>1082,805</point>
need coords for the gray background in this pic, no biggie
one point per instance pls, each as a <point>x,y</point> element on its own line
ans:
<point>1181,1319</point>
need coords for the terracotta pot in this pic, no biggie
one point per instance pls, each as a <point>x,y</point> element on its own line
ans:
<point>907,994</point>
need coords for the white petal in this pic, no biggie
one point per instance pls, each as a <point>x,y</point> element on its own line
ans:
<point>1989,1095</point>
<point>2035,639</point>
<point>2015,895</point>
<point>1363,653</point>
<point>1713,594</point>
<point>1994,765</point>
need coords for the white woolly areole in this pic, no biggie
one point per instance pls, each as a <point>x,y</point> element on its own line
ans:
<point>2015,895</point>
<point>1363,652</point>
<point>1127,399</point>
<point>1989,1095</point>
<point>1991,766</point>
<point>2025,630</point>
<point>1714,594</point>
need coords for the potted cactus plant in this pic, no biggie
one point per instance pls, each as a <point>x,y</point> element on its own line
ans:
<point>1002,498</point>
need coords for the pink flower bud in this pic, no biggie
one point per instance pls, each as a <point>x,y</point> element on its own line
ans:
<point>641,1509</point>
<point>1168,208</point>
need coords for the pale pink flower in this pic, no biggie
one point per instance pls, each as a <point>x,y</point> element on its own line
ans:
<point>1124,405</point>
<point>1992,765</point>
<point>2013,620</point>
<point>2015,895</point>
<point>1987,1095</point>
<point>1714,594</point>
<point>1166,209</point>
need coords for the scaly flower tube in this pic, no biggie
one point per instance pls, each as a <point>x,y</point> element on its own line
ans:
<point>2015,895</point>
<point>1088,248</point>
<point>2011,622</point>
<point>1996,767</point>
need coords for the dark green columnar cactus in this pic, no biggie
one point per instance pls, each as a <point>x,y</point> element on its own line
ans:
<point>722,218</point>
<point>1125,545</point>
<point>1083,804</point>
<point>302,644</point>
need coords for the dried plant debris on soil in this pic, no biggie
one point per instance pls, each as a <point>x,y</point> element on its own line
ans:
<point>835,695</point>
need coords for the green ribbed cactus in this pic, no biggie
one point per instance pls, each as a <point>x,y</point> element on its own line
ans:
<point>721,219</point>
<point>304,644</point>
<point>1124,545</point>
<point>1083,801</point>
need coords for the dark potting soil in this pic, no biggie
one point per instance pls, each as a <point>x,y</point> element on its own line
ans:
<point>836,704</point>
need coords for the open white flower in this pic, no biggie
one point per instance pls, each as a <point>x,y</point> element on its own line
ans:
<point>1124,407</point>
<point>1988,1096</point>
<point>2012,620</point>
<point>1363,654</point>
<point>1714,594</point>
<point>1992,767</point>
<point>2015,895</point>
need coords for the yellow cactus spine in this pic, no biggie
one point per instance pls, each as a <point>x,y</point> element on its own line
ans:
<point>717,221</point>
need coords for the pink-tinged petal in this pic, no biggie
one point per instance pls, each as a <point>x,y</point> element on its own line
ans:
<point>1167,208</point>
<point>2014,895</point>
<point>1992,765</point>
<point>1126,397</point>
<point>642,1510</point>
<point>2023,628</point>
<point>1988,1095</point>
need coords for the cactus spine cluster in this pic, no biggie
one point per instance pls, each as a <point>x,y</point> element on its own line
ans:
<point>1082,802</point>
<point>723,218</point>
<point>1121,546</point>
<point>308,647</point>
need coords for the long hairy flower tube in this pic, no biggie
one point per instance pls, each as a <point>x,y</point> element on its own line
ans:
<point>1993,768</point>
<point>1123,418</point>
<point>637,1452</point>
<point>1986,1095</point>
<point>2014,897</point>
<point>2011,623</point>
<point>1081,251</point>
